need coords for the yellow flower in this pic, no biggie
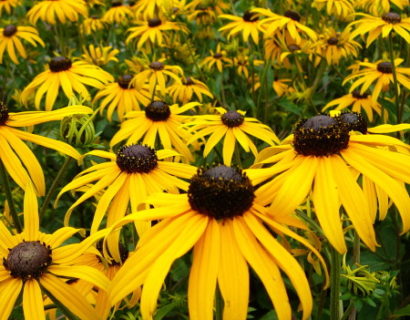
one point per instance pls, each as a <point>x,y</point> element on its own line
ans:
<point>159,120</point>
<point>36,264</point>
<point>224,224</point>
<point>241,63</point>
<point>384,25</point>
<point>62,10</point>
<point>248,25</point>
<point>339,8</point>
<point>217,58</point>
<point>206,12</point>
<point>382,73</point>
<point>118,13</point>
<point>232,126</point>
<point>184,91</point>
<point>377,7</point>
<point>122,96</point>
<point>70,76</point>
<point>92,24</point>
<point>18,159</point>
<point>281,87</point>
<point>7,5</point>
<point>10,40</point>
<point>149,8</point>
<point>317,159</point>
<point>99,55</point>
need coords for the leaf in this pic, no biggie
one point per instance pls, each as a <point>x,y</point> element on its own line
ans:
<point>402,312</point>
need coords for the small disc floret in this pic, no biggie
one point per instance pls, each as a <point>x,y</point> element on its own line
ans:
<point>4,114</point>
<point>385,67</point>
<point>137,159</point>
<point>58,64</point>
<point>354,121</point>
<point>9,30</point>
<point>157,111</point>
<point>28,260</point>
<point>124,81</point>
<point>232,119</point>
<point>220,192</point>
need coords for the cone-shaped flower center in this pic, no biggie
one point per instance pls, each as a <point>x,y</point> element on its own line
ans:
<point>154,22</point>
<point>137,159</point>
<point>220,192</point>
<point>333,41</point>
<point>292,15</point>
<point>232,119</point>
<point>354,121</point>
<point>124,81</point>
<point>58,64</point>
<point>321,136</point>
<point>249,16</point>
<point>385,67</point>
<point>4,114</point>
<point>28,260</point>
<point>9,30</point>
<point>188,81</point>
<point>156,65</point>
<point>356,94</point>
<point>157,111</point>
<point>391,17</point>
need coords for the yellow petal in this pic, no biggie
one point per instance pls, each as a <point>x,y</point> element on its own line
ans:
<point>33,305</point>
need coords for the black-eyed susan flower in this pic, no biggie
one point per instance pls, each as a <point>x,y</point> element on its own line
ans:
<point>99,55</point>
<point>232,126</point>
<point>216,59</point>
<point>70,76</point>
<point>221,220</point>
<point>281,86</point>
<point>184,91</point>
<point>122,97</point>
<point>377,7</point>
<point>10,41</point>
<point>318,160</point>
<point>153,31</point>
<point>92,24</point>
<point>148,8</point>
<point>340,8</point>
<point>357,102</point>
<point>7,5</point>
<point>380,72</point>
<point>118,12</point>
<point>248,25</point>
<point>381,26</point>
<point>160,124</point>
<point>54,11</point>
<point>241,64</point>
<point>35,264</point>
<point>18,159</point>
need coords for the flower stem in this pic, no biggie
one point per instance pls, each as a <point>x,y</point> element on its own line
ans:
<point>335,261</point>
<point>396,83</point>
<point>53,188</point>
<point>218,305</point>
<point>9,197</point>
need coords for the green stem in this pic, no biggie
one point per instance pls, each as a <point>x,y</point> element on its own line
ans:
<point>396,83</point>
<point>335,264</point>
<point>351,311</point>
<point>218,305</point>
<point>53,188</point>
<point>237,156</point>
<point>9,197</point>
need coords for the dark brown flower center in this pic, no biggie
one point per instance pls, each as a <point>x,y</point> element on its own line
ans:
<point>157,111</point>
<point>116,3</point>
<point>232,119</point>
<point>154,22</point>
<point>356,94</point>
<point>124,81</point>
<point>354,121</point>
<point>391,17</point>
<point>58,64</point>
<point>218,55</point>
<point>137,159</point>
<point>4,114</point>
<point>333,41</point>
<point>292,15</point>
<point>385,67</point>
<point>220,192</point>
<point>293,47</point>
<point>156,65</point>
<point>321,136</point>
<point>9,30</point>
<point>250,16</point>
<point>28,260</point>
<point>188,81</point>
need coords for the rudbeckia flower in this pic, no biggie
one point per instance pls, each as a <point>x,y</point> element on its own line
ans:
<point>216,59</point>
<point>340,8</point>
<point>99,55</point>
<point>248,25</point>
<point>158,120</point>
<point>184,91</point>
<point>122,96</point>
<point>241,63</point>
<point>384,25</point>
<point>153,30</point>
<point>357,102</point>
<point>221,220</point>
<point>377,7</point>
<point>232,126</point>
<point>18,159</point>
<point>10,40</point>
<point>7,5</point>
<point>52,10</point>
<point>118,12</point>
<point>70,76</point>
<point>92,24</point>
<point>281,87</point>
<point>148,8</point>
<point>382,73</point>
<point>36,264</point>
<point>318,161</point>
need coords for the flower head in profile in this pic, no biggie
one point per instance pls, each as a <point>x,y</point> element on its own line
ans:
<point>8,5</point>
<point>18,159</point>
<point>35,264</point>
<point>340,8</point>
<point>11,37</point>
<point>64,74</point>
<point>248,25</point>
<point>55,11</point>
<point>99,55</point>
<point>184,91</point>
<point>242,62</point>
<point>282,86</point>
<point>220,219</point>
<point>119,12</point>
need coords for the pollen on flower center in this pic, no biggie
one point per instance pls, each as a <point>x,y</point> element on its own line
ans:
<point>292,15</point>
<point>28,260</point>
<point>137,159</point>
<point>9,30</point>
<point>356,94</point>
<point>321,136</point>
<point>232,119</point>
<point>4,114</point>
<point>249,16</point>
<point>333,41</point>
<point>220,192</point>
<point>385,67</point>
<point>354,121</point>
<point>156,65</point>
<point>157,111</point>
<point>124,81</point>
<point>391,17</point>
<point>154,22</point>
<point>58,64</point>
